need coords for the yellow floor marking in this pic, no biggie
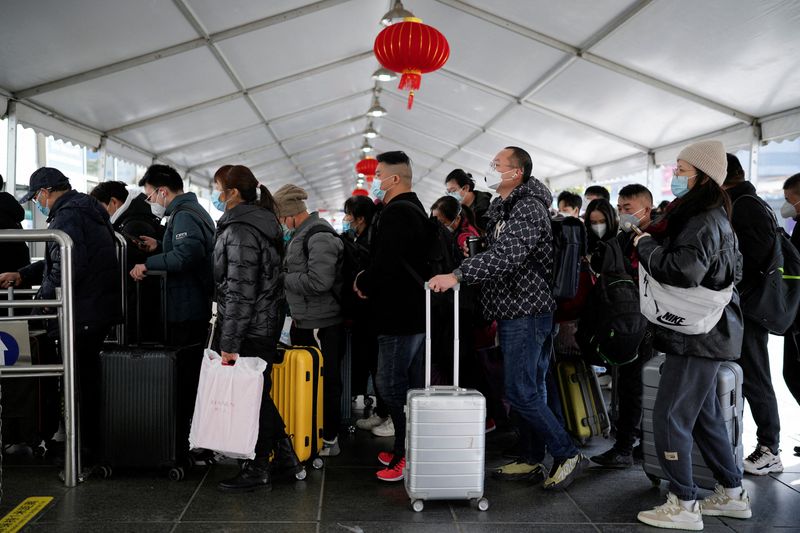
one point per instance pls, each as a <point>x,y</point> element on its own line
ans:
<point>23,513</point>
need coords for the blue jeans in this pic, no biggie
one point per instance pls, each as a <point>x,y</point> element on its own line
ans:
<point>526,343</point>
<point>401,366</point>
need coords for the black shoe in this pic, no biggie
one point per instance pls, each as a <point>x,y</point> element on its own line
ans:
<point>613,459</point>
<point>254,475</point>
<point>285,460</point>
<point>797,451</point>
<point>202,457</point>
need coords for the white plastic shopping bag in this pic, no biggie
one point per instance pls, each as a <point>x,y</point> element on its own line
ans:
<point>227,406</point>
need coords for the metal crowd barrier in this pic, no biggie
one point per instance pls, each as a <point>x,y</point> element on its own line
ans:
<point>64,306</point>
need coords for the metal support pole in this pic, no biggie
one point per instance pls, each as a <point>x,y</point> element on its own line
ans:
<point>755,147</point>
<point>651,173</point>
<point>11,149</point>
<point>101,159</point>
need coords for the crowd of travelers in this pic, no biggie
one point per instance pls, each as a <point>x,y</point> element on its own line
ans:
<point>268,256</point>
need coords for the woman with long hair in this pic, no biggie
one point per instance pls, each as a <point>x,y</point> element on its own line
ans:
<point>248,276</point>
<point>694,246</point>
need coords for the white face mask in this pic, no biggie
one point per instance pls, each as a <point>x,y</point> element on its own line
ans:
<point>599,229</point>
<point>788,210</point>
<point>494,178</point>
<point>157,209</point>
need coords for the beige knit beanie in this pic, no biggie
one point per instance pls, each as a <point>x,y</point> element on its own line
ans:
<point>708,156</point>
<point>289,200</point>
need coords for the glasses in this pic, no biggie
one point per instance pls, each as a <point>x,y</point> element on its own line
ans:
<point>150,195</point>
<point>494,164</point>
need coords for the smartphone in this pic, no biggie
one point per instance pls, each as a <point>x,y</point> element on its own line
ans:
<point>135,240</point>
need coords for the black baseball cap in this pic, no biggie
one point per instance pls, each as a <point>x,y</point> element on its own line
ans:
<point>44,178</point>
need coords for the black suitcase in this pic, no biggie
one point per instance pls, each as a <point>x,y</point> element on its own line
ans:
<point>140,395</point>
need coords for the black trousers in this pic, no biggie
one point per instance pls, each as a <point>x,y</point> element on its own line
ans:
<point>791,364</point>
<point>364,356</point>
<point>183,334</point>
<point>88,343</point>
<point>629,393</point>
<point>330,341</point>
<point>271,426</point>
<point>757,385</point>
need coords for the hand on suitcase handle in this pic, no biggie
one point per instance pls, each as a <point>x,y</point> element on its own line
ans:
<point>442,283</point>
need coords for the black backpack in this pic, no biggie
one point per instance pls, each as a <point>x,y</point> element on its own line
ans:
<point>611,325</point>
<point>773,301</point>
<point>355,258</point>
<point>569,247</point>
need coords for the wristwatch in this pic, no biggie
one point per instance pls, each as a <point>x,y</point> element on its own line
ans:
<point>458,274</point>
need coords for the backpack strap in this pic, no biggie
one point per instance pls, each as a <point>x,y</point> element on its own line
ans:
<point>203,221</point>
<point>763,204</point>
<point>314,230</point>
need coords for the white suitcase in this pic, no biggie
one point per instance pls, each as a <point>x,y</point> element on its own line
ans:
<point>445,434</point>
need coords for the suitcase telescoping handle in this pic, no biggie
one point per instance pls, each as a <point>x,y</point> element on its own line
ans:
<point>428,341</point>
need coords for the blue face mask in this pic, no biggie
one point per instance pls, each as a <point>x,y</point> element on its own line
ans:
<point>218,204</point>
<point>42,209</point>
<point>346,226</point>
<point>288,233</point>
<point>456,195</point>
<point>376,191</point>
<point>680,185</point>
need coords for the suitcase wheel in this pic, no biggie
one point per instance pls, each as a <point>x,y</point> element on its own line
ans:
<point>483,504</point>
<point>317,463</point>
<point>654,480</point>
<point>417,505</point>
<point>104,471</point>
<point>301,475</point>
<point>176,473</point>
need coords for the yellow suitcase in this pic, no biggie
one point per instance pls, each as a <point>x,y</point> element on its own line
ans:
<point>297,392</point>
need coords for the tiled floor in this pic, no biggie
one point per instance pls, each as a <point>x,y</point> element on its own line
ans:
<point>345,497</point>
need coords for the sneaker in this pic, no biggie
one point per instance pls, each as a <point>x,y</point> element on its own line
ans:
<point>385,458</point>
<point>330,448</point>
<point>762,462</point>
<point>613,459</point>
<point>386,429</point>
<point>672,515</point>
<point>490,425</point>
<point>563,472</point>
<point>520,470</point>
<point>393,472</point>
<point>720,504</point>
<point>371,422</point>
<point>604,380</point>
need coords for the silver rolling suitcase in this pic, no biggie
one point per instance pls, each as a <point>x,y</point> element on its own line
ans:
<point>445,434</point>
<point>729,391</point>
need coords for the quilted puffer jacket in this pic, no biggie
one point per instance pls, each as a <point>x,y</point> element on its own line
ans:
<point>249,282</point>
<point>703,253</point>
<point>515,269</point>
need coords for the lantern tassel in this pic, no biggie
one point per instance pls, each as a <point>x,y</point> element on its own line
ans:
<point>410,99</point>
<point>410,80</point>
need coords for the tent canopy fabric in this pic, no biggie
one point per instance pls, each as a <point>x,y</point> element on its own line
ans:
<point>588,88</point>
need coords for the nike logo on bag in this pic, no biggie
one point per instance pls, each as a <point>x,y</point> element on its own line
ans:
<point>671,320</point>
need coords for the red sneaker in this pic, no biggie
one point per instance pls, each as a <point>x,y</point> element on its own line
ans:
<point>385,458</point>
<point>490,425</point>
<point>392,473</point>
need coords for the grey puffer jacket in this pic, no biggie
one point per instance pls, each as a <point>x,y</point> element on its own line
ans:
<point>313,283</point>
<point>703,253</point>
<point>249,282</point>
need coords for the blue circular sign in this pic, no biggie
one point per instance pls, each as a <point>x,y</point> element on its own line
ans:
<point>9,348</point>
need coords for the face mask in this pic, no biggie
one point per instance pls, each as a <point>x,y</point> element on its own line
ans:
<point>376,190</point>
<point>43,209</point>
<point>288,233</point>
<point>456,195</point>
<point>156,208</point>
<point>680,185</point>
<point>599,229</point>
<point>788,210</point>
<point>628,221</point>
<point>565,214</point>
<point>494,178</point>
<point>346,226</point>
<point>215,199</point>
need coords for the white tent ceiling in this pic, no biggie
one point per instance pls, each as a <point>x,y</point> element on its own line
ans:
<point>283,86</point>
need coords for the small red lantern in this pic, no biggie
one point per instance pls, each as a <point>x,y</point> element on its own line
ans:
<point>367,166</point>
<point>411,48</point>
<point>360,192</point>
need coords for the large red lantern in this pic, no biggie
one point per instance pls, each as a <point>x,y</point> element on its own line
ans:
<point>359,192</point>
<point>411,48</point>
<point>367,166</point>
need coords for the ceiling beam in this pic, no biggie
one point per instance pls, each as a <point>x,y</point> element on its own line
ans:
<point>583,52</point>
<point>168,51</point>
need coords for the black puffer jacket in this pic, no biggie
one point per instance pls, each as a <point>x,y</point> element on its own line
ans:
<point>703,253</point>
<point>135,221</point>
<point>96,274</point>
<point>249,282</point>
<point>13,255</point>
<point>481,209</point>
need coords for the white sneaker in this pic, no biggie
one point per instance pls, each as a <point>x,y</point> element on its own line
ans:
<point>386,429</point>
<point>720,504</point>
<point>672,515</point>
<point>371,422</point>
<point>762,462</point>
<point>330,448</point>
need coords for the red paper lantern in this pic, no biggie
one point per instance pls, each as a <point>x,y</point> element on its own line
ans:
<point>360,192</point>
<point>411,48</point>
<point>367,166</point>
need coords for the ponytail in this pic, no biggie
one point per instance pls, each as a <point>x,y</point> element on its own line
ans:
<point>264,198</point>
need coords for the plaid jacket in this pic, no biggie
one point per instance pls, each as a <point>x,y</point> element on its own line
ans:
<point>515,270</point>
